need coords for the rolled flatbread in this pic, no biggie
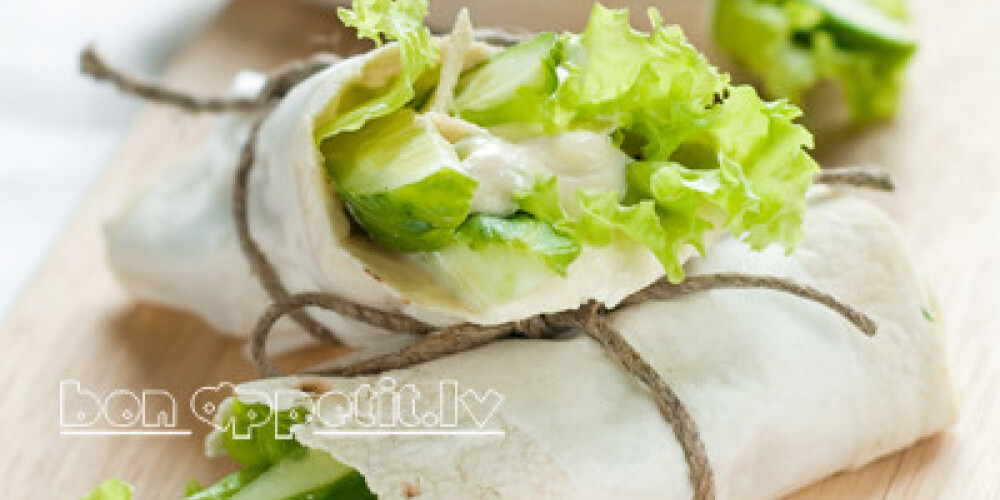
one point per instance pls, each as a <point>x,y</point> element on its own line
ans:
<point>488,190</point>
<point>784,392</point>
<point>176,244</point>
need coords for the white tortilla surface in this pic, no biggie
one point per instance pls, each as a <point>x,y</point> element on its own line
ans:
<point>176,244</point>
<point>784,392</point>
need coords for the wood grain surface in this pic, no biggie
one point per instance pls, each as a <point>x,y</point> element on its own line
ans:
<point>74,322</point>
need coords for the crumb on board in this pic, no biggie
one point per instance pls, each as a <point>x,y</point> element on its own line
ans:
<point>411,490</point>
<point>313,387</point>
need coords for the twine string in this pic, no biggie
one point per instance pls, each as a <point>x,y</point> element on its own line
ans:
<point>591,319</point>
<point>277,85</point>
<point>859,177</point>
<point>503,37</point>
<point>446,341</point>
<point>259,264</point>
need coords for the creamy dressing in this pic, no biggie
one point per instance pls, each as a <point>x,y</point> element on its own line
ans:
<point>579,159</point>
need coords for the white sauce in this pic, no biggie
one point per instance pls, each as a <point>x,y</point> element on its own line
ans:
<point>580,160</point>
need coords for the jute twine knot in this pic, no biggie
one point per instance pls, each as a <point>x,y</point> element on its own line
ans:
<point>550,326</point>
<point>591,318</point>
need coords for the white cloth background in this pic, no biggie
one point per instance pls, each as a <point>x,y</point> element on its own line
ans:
<point>58,129</point>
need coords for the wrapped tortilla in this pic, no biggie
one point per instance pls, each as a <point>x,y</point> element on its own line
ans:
<point>457,182</point>
<point>454,181</point>
<point>784,392</point>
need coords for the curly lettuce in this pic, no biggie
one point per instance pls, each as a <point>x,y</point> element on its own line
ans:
<point>708,154</point>
<point>379,20</point>
<point>792,45</point>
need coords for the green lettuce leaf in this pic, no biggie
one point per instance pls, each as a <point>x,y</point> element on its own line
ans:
<point>614,73</point>
<point>792,45</point>
<point>112,489</point>
<point>521,233</point>
<point>708,154</point>
<point>400,20</point>
<point>263,448</point>
<point>603,218</point>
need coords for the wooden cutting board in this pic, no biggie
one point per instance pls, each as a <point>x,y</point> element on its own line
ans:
<point>74,322</point>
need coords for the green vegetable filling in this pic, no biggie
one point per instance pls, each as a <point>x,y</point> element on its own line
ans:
<point>112,489</point>
<point>513,85</point>
<point>704,154</point>
<point>500,258</point>
<point>401,180</point>
<point>792,45</point>
<point>274,465</point>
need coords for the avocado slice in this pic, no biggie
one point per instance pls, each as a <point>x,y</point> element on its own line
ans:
<point>401,180</point>
<point>855,23</point>
<point>313,475</point>
<point>511,85</point>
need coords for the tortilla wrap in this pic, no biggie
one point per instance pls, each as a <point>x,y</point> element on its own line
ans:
<point>177,245</point>
<point>784,392</point>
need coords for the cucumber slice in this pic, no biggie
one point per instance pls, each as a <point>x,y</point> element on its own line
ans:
<point>312,476</point>
<point>227,486</point>
<point>856,23</point>
<point>512,85</point>
<point>496,259</point>
<point>401,180</point>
